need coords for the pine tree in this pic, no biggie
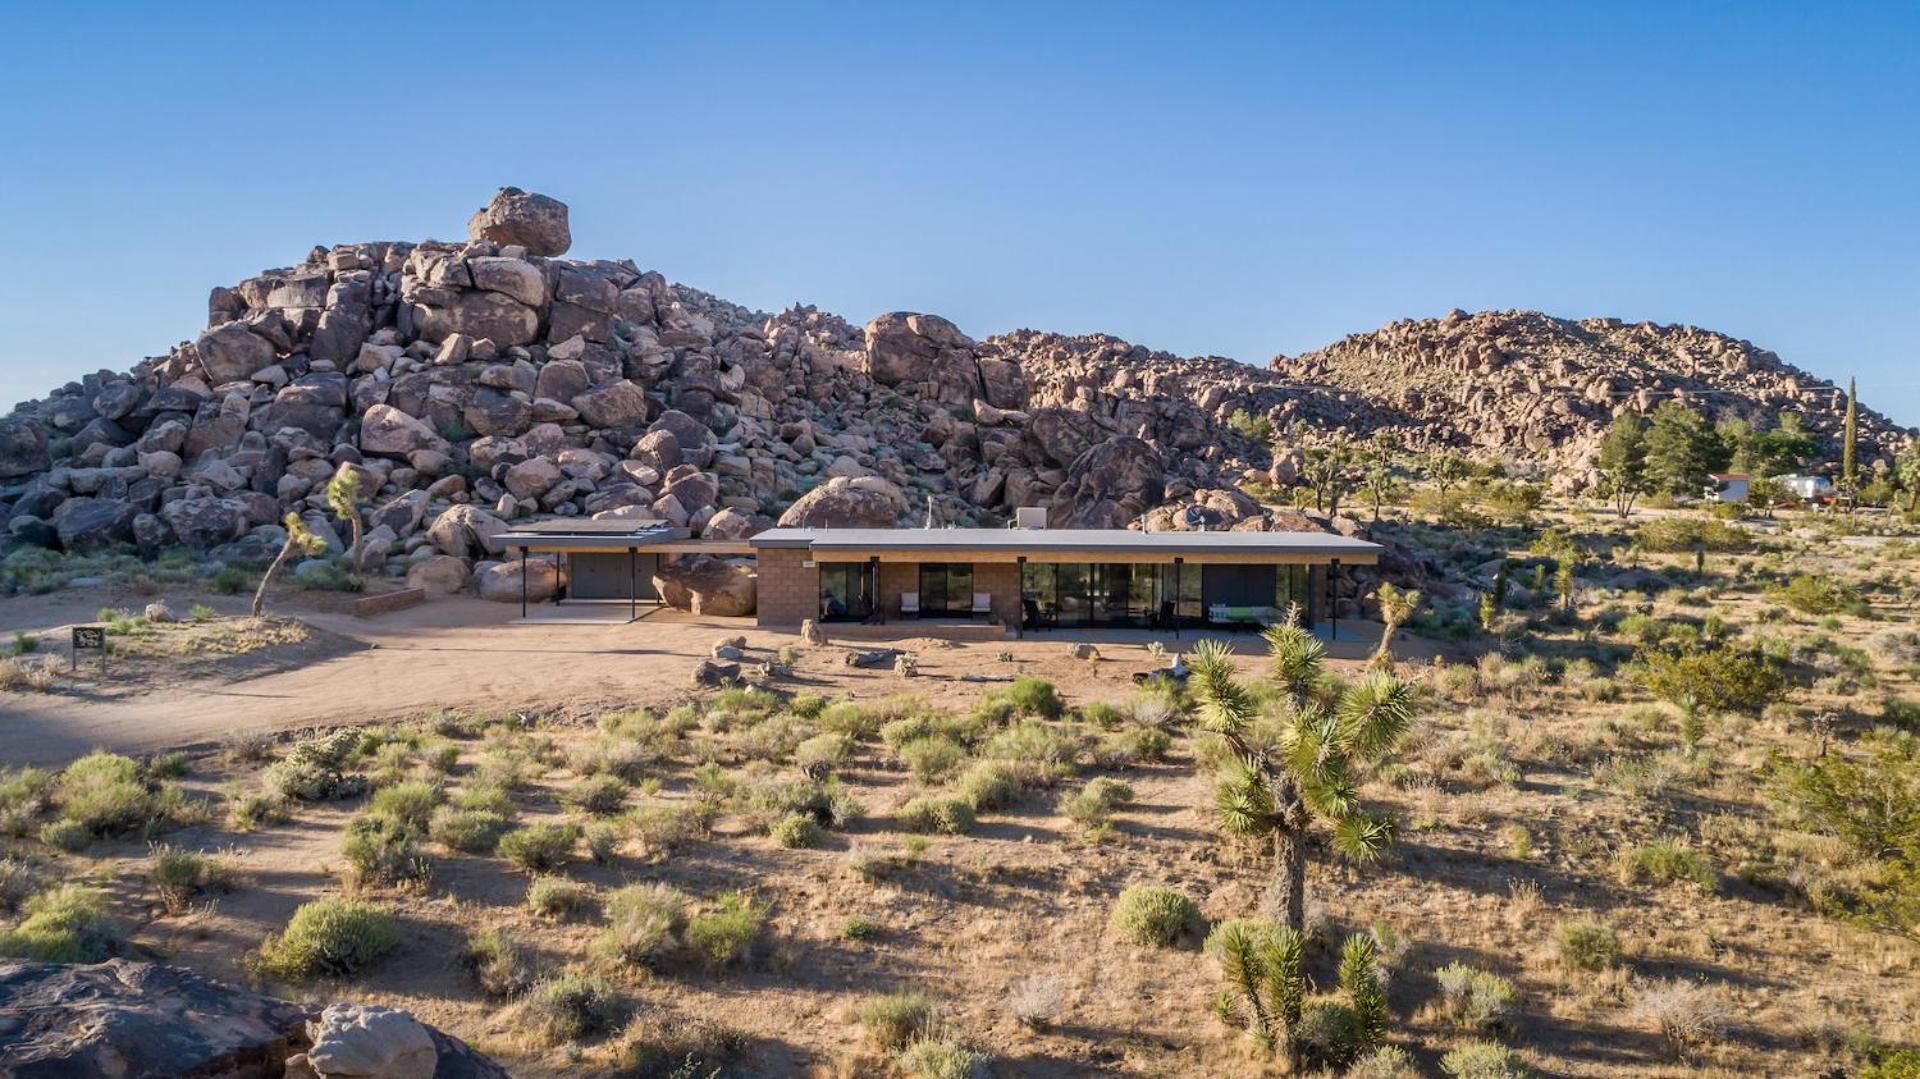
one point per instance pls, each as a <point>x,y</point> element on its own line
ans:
<point>1623,461</point>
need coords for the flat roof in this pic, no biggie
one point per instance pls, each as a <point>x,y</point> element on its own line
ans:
<point>1117,540</point>
<point>561,533</point>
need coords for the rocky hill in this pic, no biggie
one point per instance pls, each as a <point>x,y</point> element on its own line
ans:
<point>473,383</point>
<point>1521,380</point>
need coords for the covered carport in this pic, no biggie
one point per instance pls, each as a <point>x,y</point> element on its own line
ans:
<point>607,561</point>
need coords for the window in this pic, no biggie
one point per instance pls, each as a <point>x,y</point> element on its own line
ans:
<point>1290,587</point>
<point>946,587</point>
<point>846,591</point>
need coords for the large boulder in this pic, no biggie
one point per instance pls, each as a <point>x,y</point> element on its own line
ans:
<point>492,315</point>
<point>203,523</point>
<point>1109,485</point>
<point>23,448</point>
<point>368,1041</point>
<point>535,222</point>
<point>707,585</point>
<point>903,347</point>
<point>231,351</point>
<point>617,404</point>
<point>438,575</point>
<point>389,432</point>
<point>693,439</point>
<point>88,524</point>
<point>465,531</point>
<point>500,581</point>
<point>842,502</point>
<point>126,1018</point>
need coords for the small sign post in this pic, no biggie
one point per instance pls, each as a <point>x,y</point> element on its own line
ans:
<point>94,637</point>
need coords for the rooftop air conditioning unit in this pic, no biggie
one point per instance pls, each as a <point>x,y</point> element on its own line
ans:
<point>1030,517</point>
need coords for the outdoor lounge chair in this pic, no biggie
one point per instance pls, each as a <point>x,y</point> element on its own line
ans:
<point>982,603</point>
<point>909,604</point>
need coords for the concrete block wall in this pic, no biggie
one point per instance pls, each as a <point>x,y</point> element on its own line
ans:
<point>789,590</point>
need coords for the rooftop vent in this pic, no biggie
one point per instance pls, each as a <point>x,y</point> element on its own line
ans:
<point>1030,517</point>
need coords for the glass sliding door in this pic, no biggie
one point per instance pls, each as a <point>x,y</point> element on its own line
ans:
<point>946,588</point>
<point>846,591</point>
<point>1069,594</point>
<point>1072,599</point>
<point>1039,596</point>
<point>1290,587</point>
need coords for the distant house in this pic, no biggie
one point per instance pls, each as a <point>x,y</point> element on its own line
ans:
<point>1806,488</point>
<point>1728,487</point>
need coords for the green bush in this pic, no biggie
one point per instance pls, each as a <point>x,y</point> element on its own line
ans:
<point>329,938</point>
<point>1484,1060</point>
<point>726,934</point>
<point>937,813</point>
<point>1386,1062</point>
<point>1044,750</point>
<point>24,794</point>
<point>574,1006</point>
<point>558,897</point>
<point>644,923</point>
<point>1684,535</point>
<point>797,830</point>
<point>67,835</point>
<point>108,794</point>
<point>895,1020</point>
<point>931,1058</point>
<point>65,924</point>
<point>382,852</point>
<point>1475,999</point>
<point>1587,945</point>
<point>1035,697</point>
<point>410,803</point>
<point>1714,680</point>
<point>497,964</point>
<point>677,1047</point>
<point>539,848</point>
<point>471,831</point>
<point>849,718</point>
<point>826,750</point>
<point>1818,594</point>
<point>1095,801</point>
<point>180,875</point>
<point>1667,861</point>
<point>988,785</point>
<point>932,758</point>
<point>601,794</point>
<point>1154,916</point>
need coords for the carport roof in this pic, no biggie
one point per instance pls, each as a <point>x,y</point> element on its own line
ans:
<point>562,533</point>
<point>1115,540</point>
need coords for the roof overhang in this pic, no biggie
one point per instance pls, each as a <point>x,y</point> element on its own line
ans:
<point>1000,544</point>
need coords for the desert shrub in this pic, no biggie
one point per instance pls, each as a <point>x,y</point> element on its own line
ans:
<point>644,923</point>
<point>1095,801</point>
<point>829,749</point>
<point>1819,594</point>
<point>180,875</point>
<point>25,793</point>
<point>573,1006</point>
<point>895,1020</point>
<point>1101,714</point>
<point>937,813</point>
<point>1683,535</point>
<point>108,794</point>
<point>251,810</point>
<point>1714,680</point>
<point>615,758</point>
<point>1044,750</point>
<point>1154,916</point>
<point>932,758</point>
<point>486,798</point>
<point>67,835</point>
<point>675,1046</point>
<point>64,924</point>
<point>168,766</point>
<point>1685,1014</point>
<point>1587,945</point>
<point>471,831</point>
<point>807,705</point>
<point>18,882</point>
<point>329,938</point>
<point>1135,744</point>
<point>382,852</point>
<point>726,934</point>
<point>1667,861</point>
<point>498,965</point>
<point>1484,1060</point>
<point>36,673</point>
<point>851,719</point>
<point>988,785</point>
<point>932,1058</point>
<point>1475,999</point>
<point>662,826</point>
<point>602,839</point>
<point>315,770</point>
<point>1032,696</point>
<point>797,830</point>
<point>558,897</point>
<point>539,848</point>
<point>601,794</point>
<point>1891,1063</point>
<point>1386,1062</point>
<point>410,803</point>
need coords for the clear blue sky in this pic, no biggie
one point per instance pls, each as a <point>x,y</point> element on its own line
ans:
<point>1240,180</point>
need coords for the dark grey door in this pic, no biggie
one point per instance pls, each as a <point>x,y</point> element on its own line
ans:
<point>1237,586</point>
<point>607,576</point>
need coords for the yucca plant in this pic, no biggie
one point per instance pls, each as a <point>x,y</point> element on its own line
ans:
<point>1310,776</point>
<point>1268,990</point>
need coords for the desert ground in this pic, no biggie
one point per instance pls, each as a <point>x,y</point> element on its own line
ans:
<point>1629,890</point>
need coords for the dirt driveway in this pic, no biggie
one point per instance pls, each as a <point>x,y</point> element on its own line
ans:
<point>465,653</point>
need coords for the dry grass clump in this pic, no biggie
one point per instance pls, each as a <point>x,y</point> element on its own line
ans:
<point>558,897</point>
<point>1667,861</point>
<point>574,1005</point>
<point>22,673</point>
<point>1092,805</point>
<point>1686,1015</point>
<point>597,794</point>
<point>498,965</point>
<point>1484,1060</point>
<point>1475,999</point>
<point>728,933</point>
<point>644,923</point>
<point>180,876</point>
<point>944,814</point>
<point>105,794</point>
<point>670,1044</point>
<point>539,848</point>
<point>893,1021</point>
<point>1587,945</point>
<point>939,1058</point>
<point>1037,1000</point>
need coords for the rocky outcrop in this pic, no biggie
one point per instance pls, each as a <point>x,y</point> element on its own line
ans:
<point>704,584</point>
<point>471,386</point>
<point>121,1018</point>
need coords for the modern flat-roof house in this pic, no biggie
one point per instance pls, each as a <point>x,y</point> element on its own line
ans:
<point>608,560</point>
<point>1028,579</point>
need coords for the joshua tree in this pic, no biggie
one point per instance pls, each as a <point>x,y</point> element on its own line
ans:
<point>1280,788</point>
<point>1396,606</point>
<point>1850,443</point>
<point>299,538</point>
<point>1267,990</point>
<point>343,497</point>
<point>1563,585</point>
<point>1446,470</point>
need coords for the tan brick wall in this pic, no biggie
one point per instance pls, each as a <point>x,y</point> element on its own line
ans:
<point>789,591</point>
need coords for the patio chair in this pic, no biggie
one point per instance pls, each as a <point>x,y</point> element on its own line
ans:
<point>982,603</point>
<point>1036,618</point>
<point>909,604</point>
